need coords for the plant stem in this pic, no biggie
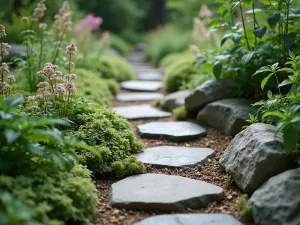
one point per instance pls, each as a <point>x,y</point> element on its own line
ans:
<point>27,57</point>
<point>254,21</point>
<point>41,50</point>
<point>244,27</point>
<point>277,82</point>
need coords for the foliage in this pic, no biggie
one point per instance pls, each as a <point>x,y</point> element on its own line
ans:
<point>128,166</point>
<point>180,113</point>
<point>244,207</point>
<point>109,134</point>
<point>158,102</point>
<point>265,40</point>
<point>115,68</point>
<point>169,59</point>
<point>26,142</point>
<point>47,196</point>
<point>164,41</point>
<point>180,71</point>
<point>91,87</point>
<point>281,109</point>
<point>112,85</point>
<point>228,180</point>
<point>119,44</point>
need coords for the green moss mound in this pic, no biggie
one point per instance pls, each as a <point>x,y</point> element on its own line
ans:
<point>111,135</point>
<point>119,44</point>
<point>91,87</point>
<point>50,197</point>
<point>168,60</point>
<point>112,85</point>
<point>179,72</point>
<point>180,113</point>
<point>116,68</point>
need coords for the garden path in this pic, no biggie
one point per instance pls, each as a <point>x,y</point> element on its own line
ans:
<point>182,170</point>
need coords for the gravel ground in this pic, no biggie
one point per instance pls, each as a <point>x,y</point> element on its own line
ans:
<point>209,172</point>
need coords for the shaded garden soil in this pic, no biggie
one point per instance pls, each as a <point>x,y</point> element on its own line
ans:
<point>209,172</point>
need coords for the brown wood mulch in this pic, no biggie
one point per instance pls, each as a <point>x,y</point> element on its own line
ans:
<point>209,172</point>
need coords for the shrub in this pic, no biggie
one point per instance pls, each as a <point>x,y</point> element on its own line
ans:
<point>169,59</point>
<point>112,85</point>
<point>91,87</point>
<point>164,41</point>
<point>244,207</point>
<point>196,80</point>
<point>128,166</point>
<point>115,68</point>
<point>158,102</point>
<point>110,135</point>
<point>180,113</point>
<point>119,44</point>
<point>180,71</point>
<point>53,197</point>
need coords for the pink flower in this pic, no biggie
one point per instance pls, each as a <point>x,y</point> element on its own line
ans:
<point>34,108</point>
<point>38,97</point>
<point>70,86</point>
<point>43,84</point>
<point>6,87</point>
<point>60,88</point>
<point>30,99</point>
<point>48,104</point>
<point>71,49</point>
<point>90,23</point>
<point>47,94</point>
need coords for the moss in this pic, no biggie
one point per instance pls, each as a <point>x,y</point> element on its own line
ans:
<point>158,102</point>
<point>113,86</point>
<point>90,86</point>
<point>179,72</point>
<point>180,113</point>
<point>128,166</point>
<point>54,198</point>
<point>115,68</point>
<point>110,134</point>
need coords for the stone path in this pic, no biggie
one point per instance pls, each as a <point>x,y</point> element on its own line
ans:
<point>153,191</point>
<point>174,157</point>
<point>141,112</point>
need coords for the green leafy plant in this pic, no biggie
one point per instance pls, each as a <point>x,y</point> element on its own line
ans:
<point>244,207</point>
<point>282,110</point>
<point>128,166</point>
<point>180,113</point>
<point>158,102</point>
<point>228,180</point>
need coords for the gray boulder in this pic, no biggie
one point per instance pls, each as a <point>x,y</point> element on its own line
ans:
<point>255,155</point>
<point>15,51</point>
<point>175,100</point>
<point>277,202</point>
<point>209,91</point>
<point>227,115</point>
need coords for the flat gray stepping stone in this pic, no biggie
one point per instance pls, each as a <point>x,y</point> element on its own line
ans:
<point>173,131</point>
<point>149,75</point>
<point>141,112</point>
<point>163,192</point>
<point>191,219</point>
<point>134,85</point>
<point>172,156</point>
<point>138,96</point>
<point>137,57</point>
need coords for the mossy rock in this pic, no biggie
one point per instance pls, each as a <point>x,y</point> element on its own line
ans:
<point>179,72</point>
<point>116,68</point>
<point>111,135</point>
<point>90,86</point>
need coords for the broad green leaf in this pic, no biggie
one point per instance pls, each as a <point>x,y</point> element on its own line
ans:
<point>255,11</point>
<point>276,114</point>
<point>264,81</point>
<point>225,38</point>
<point>217,69</point>
<point>11,136</point>
<point>247,57</point>
<point>289,39</point>
<point>14,102</point>
<point>290,137</point>
<point>263,69</point>
<point>274,19</point>
<point>248,3</point>
<point>200,60</point>
<point>284,83</point>
<point>260,31</point>
<point>270,94</point>
<point>235,4</point>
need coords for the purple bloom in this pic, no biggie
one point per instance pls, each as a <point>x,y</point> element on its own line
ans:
<point>90,23</point>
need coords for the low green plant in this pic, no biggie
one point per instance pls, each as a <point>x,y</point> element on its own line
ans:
<point>244,207</point>
<point>47,196</point>
<point>169,59</point>
<point>228,180</point>
<point>158,102</point>
<point>179,72</point>
<point>282,110</point>
<point>110,134</point>
<point>115,68</point>
<point>128,166</point>
<point>91,87</point>
<point>112,85</point>
<point>180,113</point>
<point>119,44</point>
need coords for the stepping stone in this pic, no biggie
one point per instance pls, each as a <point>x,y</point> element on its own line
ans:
<point>172,157</point>
<point>134,85</point>
<point>173,131</point>
<point>138,96</point>
<point>153,76</point>
<point>191,219</point>
<point>141,112</point>
<point>163,192</point>
<point>137,57</point>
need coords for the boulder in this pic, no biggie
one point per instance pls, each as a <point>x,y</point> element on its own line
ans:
<point>15,51</point>
<point>209,91</point>
<point>277,202</point>
<point>255,155</point>
<point>227,115</point>
<point>175,100</point>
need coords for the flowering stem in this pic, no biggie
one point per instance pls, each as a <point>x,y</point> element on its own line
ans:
<point>244,27</point>
<point>41,49</point>
<point>58,47</point>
